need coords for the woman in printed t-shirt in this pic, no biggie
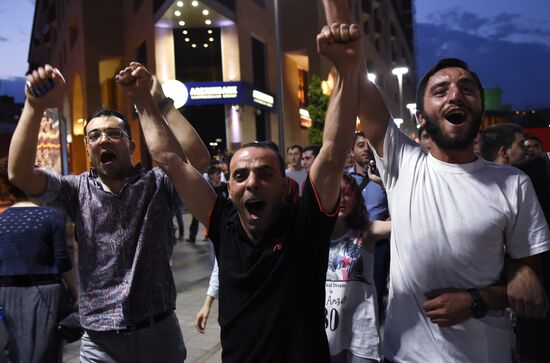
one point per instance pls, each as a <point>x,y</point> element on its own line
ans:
<point>351,324</point>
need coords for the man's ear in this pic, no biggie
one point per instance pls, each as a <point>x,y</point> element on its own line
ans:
<point>502,155</point>
<point>86,148</point>
<point>420,118</point>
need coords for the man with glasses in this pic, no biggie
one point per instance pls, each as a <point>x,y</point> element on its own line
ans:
<point>123,216</point>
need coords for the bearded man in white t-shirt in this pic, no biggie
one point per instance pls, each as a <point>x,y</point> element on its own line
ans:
<point>454,215</point>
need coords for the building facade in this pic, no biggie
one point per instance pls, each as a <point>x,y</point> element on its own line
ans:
<point>225,52</point>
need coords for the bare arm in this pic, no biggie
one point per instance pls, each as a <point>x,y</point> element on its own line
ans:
<point>187,136</point>
<point>525,288</point>
<point>373,112</point>
<point>195,192</point>
<point>341,44</point>
<point>22,154</point>
<point>447,307</point>
<point>203,314</point>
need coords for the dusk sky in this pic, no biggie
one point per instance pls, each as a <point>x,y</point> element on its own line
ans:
<point>506,41</point>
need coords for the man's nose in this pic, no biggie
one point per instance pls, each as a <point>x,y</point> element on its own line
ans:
<point>455,95</point>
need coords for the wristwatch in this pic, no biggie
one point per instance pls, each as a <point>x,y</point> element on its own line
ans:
<point>479,307</point>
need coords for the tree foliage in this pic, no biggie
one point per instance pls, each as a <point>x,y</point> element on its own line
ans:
<point>317,108</point>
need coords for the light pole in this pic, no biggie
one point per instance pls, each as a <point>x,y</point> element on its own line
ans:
<point>280,80</point>
<point>399,72</point>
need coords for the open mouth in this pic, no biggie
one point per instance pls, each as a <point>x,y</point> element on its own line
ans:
<point>456,117</point>
<point>107,156</point>
<point>254,206</point>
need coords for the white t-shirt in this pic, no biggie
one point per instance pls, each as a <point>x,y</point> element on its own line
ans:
<point>298,176</point>
<point>451,224</point>
<point>350,299</point>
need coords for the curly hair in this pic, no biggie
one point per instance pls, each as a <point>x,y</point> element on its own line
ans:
<point>358,217</point>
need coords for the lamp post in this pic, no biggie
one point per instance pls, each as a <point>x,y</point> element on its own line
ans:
<point>399,72</point>
<point>280,80</point>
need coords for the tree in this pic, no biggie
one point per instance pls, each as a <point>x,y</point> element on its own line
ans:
<point>317,108</point>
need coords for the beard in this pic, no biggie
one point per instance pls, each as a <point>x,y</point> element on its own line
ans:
<point>444,141</point>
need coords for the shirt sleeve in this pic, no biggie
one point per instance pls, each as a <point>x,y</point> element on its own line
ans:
<point>214,285</point>
<point>61,193</point>
<point>398,148</point>
<point>218,215</point>
<point>529,234</point>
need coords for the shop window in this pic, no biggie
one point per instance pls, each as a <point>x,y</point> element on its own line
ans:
<point>302,88</point>
<point>259,64</point>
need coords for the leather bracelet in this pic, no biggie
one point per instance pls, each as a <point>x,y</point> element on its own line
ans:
<point>164,102</point>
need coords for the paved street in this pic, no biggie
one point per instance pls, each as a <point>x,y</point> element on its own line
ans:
<point>191,267</point>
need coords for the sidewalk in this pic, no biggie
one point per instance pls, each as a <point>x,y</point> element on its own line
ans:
<point>201,348</point>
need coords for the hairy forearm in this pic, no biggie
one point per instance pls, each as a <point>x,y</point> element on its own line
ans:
<point>160,140</point>
<point>22,152</point>
<point>188,138</point>
<point>336,11</point>
<point>495,297</point>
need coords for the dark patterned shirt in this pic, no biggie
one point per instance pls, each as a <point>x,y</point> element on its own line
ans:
<point>124,245</point>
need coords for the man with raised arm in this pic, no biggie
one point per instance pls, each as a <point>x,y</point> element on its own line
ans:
<point>123,216</point>
<point>453,215</point>
<point>272,256</point>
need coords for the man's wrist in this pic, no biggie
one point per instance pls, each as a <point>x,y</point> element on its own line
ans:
<point>165,103</point>
<point>478,308</point>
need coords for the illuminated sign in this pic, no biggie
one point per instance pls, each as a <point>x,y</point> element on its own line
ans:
<point>224,93</point>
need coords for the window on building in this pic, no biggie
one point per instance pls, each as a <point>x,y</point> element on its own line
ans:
<point>258,63</point>
<point>302,88</point>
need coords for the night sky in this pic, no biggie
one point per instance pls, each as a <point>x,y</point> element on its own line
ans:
<point>507,42</point>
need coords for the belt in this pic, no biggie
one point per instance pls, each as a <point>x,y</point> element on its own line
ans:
<point>130,328</point>
<point>28,280</point>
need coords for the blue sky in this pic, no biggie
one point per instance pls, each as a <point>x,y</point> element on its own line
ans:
<point>506,41</point>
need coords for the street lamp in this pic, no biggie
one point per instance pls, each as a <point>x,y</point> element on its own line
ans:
<point>371,77</point>
<point>399,72</point>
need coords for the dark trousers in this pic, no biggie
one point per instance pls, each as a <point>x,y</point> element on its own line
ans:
<point>193,229</point>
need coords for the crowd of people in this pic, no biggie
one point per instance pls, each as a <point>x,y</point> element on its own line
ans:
<point>440,240</point>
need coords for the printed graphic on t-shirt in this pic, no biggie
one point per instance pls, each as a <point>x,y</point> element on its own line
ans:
<point>344,260</point>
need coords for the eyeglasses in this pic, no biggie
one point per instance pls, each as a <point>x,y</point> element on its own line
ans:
<point>113,133</point>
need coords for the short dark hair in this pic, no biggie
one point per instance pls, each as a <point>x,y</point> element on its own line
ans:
<point>534,138</point>
<point>12,189</point>
<point>494,137</point>
<point>421,129</point>
<point>358,217</point>
<point>213,170</point>
<point>269,145</point>
<point>108,112</point>
<point>442,64</point>
<point>295,147</point>
<point>315,149</point>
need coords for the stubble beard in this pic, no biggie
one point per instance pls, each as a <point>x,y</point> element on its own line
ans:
<point>445,142</point>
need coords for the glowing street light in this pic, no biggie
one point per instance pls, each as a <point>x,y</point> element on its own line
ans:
<point>371,77</point>
<point>399,72</point>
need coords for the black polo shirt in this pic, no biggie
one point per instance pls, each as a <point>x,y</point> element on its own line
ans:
<point>272,291</point>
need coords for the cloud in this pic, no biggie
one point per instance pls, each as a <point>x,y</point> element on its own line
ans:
<point>499,63</point>
<point>3,39</point>
<point>501,26</point>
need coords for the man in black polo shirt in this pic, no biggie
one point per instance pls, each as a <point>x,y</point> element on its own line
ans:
<point>272,256</point>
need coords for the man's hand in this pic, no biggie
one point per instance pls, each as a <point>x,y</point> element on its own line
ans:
<point>373,177</point>
<point>45,87</point>
<point>526,294</point>
<point>340,43</point>
<point>447,307</point>
<point>135,80</point>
